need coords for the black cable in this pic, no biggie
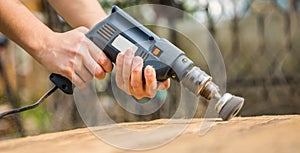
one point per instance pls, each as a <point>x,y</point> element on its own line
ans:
<point>22,109</point>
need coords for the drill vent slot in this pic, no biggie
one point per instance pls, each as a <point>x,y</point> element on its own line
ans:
<point>106,31</point>
<point>144,55</point>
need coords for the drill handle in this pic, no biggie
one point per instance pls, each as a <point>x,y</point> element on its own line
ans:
<point>162,70</point>
<point>62,83</point>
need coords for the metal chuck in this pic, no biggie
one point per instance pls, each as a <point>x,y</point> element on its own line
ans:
<point>198,82</point>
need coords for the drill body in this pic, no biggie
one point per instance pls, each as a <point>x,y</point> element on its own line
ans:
<point>120,31</point>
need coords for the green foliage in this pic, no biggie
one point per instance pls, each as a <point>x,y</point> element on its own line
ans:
<point>40,117</point>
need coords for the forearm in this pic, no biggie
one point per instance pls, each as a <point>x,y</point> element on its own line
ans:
<point>79,12</point>
<point>21,26</point>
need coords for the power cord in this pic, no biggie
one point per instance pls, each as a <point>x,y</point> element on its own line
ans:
<point>29,107</point>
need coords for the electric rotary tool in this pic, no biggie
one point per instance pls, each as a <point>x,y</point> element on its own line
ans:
<point>119,32</point>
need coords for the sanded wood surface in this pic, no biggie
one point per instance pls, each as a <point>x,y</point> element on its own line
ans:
<point>263,134</point>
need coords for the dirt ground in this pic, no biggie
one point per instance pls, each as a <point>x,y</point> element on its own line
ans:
<point>265,134</point>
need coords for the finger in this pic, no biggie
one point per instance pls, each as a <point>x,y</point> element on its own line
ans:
<point>119,70</point>
<point>77,81</point>
<point>91,65</point>
<point>100,73</point>
<point>151,83</point>
<point>127,63</point>
<point>84,74</point>
<point>86,67</point>
<point>136,77</point>
<point>164,85</point>
<point>99,56</point>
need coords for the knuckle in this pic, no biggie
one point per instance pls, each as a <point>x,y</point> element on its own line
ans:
<point>99,61</point>
<point>79,55</point>
<point>149,80</point>
<point>79,39</point>
<point>136,71</point>
<point>68,72</point>
<point>81,36</point>
<point>135,84</point>
<point>105,61</point>
<point>128,63</point>
<point>72,62</point>
<point>74,52</point>
<point>149,76</point>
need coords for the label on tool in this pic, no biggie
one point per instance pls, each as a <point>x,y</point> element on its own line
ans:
<point>122,44</point>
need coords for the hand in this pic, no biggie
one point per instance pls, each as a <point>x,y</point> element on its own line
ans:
<point>74,56</point>
<point>129,76</point>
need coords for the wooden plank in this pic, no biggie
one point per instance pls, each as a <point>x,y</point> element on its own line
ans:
<point>267,134</point>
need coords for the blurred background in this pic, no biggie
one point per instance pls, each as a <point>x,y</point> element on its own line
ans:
<point>259,40</point>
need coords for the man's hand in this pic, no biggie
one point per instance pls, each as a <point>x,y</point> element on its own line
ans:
<point>71,54</point>
<point>129,76</point>
<point>74,56</point>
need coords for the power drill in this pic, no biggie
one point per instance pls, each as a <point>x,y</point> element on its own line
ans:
<point>119,31</point>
